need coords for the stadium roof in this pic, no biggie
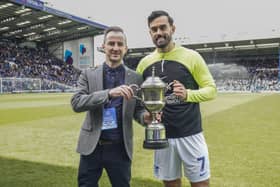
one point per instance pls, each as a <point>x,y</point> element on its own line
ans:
<point>31,20</point>
<point>225,46</point>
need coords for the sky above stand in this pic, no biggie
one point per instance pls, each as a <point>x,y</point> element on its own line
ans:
<point>196,21</point>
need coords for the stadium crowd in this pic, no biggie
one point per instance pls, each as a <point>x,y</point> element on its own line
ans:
<point>262,75</point>
<point>255,74</point>
<point>24,62</point>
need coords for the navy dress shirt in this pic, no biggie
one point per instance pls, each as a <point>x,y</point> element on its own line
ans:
<point>113,77</point>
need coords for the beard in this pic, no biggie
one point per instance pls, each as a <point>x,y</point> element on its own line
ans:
<point>162,41</point>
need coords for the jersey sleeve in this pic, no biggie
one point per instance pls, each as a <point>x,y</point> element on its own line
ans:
<point>207,87</point>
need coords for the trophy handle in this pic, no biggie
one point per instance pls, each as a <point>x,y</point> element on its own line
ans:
<point>136,88</point>
<point>168,87</point>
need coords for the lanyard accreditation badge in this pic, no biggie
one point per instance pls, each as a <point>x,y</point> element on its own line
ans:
<point>109,119</point>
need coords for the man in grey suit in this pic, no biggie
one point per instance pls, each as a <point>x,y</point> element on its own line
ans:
<point>106,135</point>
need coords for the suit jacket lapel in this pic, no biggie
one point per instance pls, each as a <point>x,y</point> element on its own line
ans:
<point>98,77</point>
<point>128,77</point>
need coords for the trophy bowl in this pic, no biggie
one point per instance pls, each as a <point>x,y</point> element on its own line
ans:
<point>153,90</point>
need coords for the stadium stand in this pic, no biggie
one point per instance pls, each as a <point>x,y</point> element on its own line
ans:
<point>247,65</point>
<point>31,34</point>
<point>23,62</point>
<point>28,29</point>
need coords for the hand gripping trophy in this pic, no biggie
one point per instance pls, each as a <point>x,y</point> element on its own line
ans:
<point>153,90</point>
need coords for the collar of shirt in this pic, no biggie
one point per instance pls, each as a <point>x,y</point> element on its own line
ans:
<point>108,69</point>
<point>113,77</point>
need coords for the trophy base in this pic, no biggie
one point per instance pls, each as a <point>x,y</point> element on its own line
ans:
<point>158,144</point>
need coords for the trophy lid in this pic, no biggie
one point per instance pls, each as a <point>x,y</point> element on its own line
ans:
<point>153,81</point>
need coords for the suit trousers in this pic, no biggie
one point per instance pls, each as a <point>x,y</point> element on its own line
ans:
<point>111,157</point>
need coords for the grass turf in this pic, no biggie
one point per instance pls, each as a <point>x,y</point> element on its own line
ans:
<point>38,135</point>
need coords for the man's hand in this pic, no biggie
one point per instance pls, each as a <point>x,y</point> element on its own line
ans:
<point>179,90</point>
<point>148,117</point>
<point>123,91</point>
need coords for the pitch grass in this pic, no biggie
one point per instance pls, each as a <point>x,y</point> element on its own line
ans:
<point>38,135</point>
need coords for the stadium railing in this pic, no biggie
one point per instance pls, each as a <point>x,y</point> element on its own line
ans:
<point>32,85</point>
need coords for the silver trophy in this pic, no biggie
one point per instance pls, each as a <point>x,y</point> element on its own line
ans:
<point>153,90</point>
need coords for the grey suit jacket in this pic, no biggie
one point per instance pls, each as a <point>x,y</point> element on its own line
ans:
<point>91,98</point>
